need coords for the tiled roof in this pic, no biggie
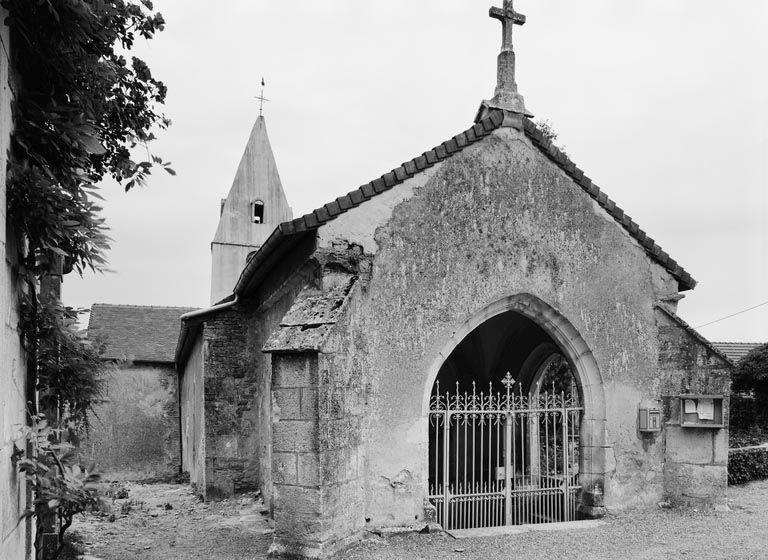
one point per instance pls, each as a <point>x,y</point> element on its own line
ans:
<point>480,130</point>
<point>736,350</point>
<point>136,332</point>
<point>281,239</point>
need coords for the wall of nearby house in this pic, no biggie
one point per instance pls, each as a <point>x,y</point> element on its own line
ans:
<point>134,434</point>
<point>498,219</point>
<point>696,467</point>
<point>14,532</point>
<point>191,400</point>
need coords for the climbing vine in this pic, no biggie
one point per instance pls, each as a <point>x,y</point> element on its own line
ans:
<point>83,110</point>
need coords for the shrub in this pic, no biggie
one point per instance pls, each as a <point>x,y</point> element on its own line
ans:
<point>745,465</point>
<point>752,373</point>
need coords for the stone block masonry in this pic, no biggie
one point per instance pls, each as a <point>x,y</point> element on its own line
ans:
<point>315,467</point>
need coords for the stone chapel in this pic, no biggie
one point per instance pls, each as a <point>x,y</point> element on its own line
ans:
<point>479,337</point>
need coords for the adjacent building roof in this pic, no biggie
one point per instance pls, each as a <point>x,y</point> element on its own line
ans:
<point>137,332</point>
<point>736,350</point>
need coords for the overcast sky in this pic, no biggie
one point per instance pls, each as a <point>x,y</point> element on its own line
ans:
<point>663,103</point>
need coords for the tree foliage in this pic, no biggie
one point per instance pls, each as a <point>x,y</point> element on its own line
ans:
<point>83,110</point>
<point>752,373</point>
<point>62,488</point>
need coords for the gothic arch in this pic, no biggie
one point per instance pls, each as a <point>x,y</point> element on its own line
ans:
<point>575,350</point>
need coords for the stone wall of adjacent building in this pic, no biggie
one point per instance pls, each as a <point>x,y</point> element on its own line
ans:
<point>134,434</point>
<point>191,405</point>
<point>15,534</point>
<point>696,466</point>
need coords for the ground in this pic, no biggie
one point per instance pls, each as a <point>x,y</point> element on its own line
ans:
<point>239,529</point>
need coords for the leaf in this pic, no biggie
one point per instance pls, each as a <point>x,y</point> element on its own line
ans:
<point>170,171</point>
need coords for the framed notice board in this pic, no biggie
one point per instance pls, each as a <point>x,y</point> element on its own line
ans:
<point>701,411</point>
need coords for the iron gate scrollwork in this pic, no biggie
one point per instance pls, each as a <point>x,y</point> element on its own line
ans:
<point>503,458</point>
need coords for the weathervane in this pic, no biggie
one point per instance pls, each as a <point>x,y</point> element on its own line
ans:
<point>261,97</point>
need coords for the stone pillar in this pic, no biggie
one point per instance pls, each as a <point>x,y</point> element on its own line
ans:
<point>315,458</point>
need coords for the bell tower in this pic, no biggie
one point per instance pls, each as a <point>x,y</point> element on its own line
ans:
<point>255,205</point>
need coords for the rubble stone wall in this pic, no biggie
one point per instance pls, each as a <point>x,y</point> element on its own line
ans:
<point>237,382</point>
<point>696,466</point>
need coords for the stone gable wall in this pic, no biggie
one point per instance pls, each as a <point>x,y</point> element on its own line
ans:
<point>497,220</point>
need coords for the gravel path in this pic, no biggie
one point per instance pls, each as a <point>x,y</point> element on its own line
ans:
<point>185,529</point>
<point>236,529</point>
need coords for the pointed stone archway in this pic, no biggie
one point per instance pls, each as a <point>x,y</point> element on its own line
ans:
<point>557,337</point>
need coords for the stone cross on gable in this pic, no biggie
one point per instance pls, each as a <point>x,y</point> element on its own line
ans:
<point>508,18</point>
<point>506,96</point>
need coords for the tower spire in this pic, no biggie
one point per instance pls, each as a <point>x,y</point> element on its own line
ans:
<point>506,96</point>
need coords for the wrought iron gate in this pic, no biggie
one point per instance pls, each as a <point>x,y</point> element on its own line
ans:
<point>503,458</point>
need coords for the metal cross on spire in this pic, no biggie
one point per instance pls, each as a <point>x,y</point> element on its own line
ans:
<point>506,96</point>
<point>261,97</point>
<point>508,18</point>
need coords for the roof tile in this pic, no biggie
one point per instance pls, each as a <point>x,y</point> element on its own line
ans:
<point>333,208</point>
<point>379,185</point>
<point>287,228</point>
<point>357,197</point>
<point>311,220</point>
<point>736,350</point>
<point>487,125</point>
<point>322,214</point>
<point>496,117</point>
<point>390,179</point>
<point>344,202</point>
<point>451,146</point>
